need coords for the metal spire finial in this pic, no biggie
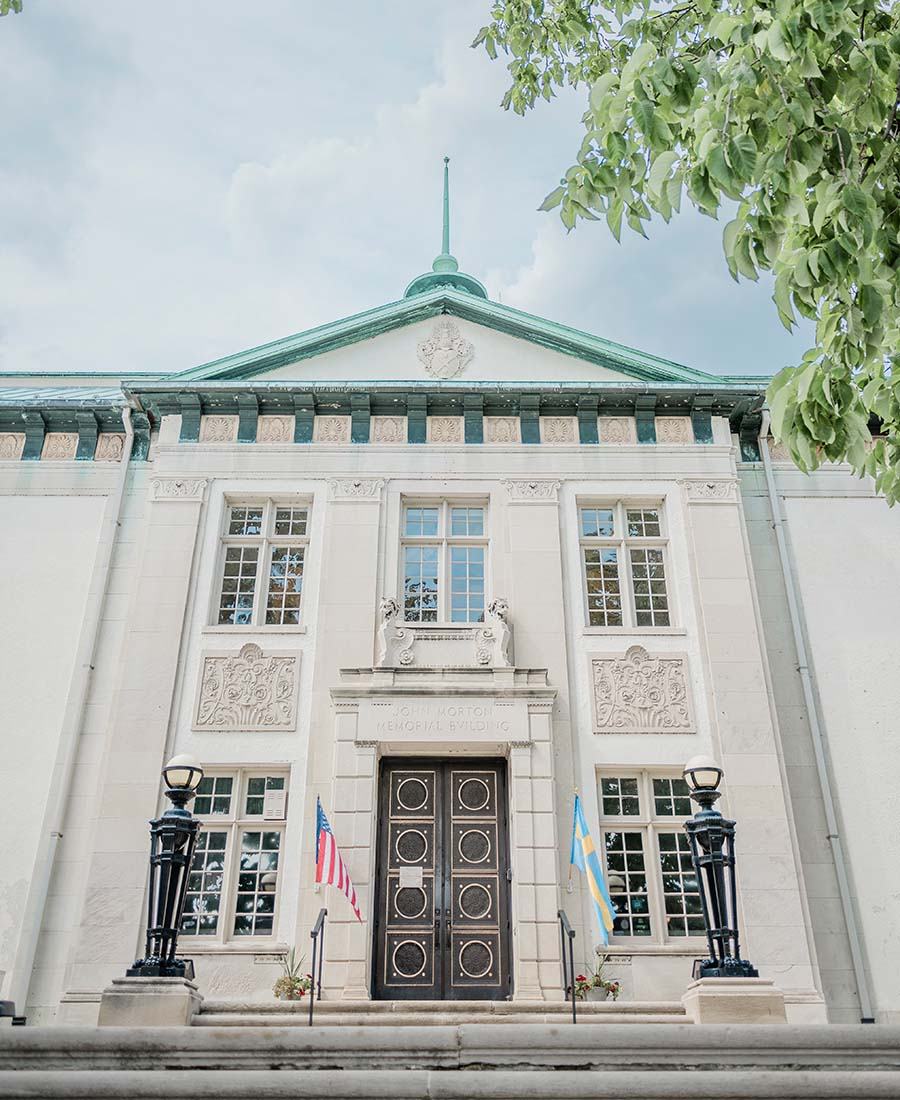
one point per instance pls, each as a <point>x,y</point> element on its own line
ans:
<point>446,261</point>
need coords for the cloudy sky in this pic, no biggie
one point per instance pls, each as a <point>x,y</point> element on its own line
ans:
<point>182,181</point>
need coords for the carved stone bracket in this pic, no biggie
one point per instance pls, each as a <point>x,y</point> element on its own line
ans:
<point>355,489</point>
<point>401,645</point>
<point>533,492</point>
<point>246,691</point>
<point>640,693</point>
<point>174,488</point>
<point>710,492</point>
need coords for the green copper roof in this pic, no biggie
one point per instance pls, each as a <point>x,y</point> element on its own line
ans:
<point>445,269</point>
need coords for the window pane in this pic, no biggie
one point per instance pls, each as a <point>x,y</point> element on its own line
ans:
<point>421,522</point>
<point>671,798</point>
<point>650,599</point>
<point>256,791</point>
<point>245,520</point>
<point>202,901</point>
<point>626,880</point>
<point>681,895</point>
<point>291,521</point>
<point>238,585</point>
<point>285,586</point>
<point>257,883</point>
<point>643,523</point>
<point>619,797</point>
<point>604,596</point>
<point>467,584</point>
<point>597,523</point>
<point>466,521</point>
<point>420,583</point>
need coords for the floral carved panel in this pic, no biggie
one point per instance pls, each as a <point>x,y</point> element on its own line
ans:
<point>501,429</point>
<point>59,446</point>
<point>558,429</point>
<point>247,691</point>
<point>445,429</point>
<point>110,446</point>
<point>616,429</point>
<point>674,429</point>
<point>641,693</point>
<point>331,429</point>
<point>11,446</point>
<point>218,429</point>
<point>388,429</point>
<point>275,429</point>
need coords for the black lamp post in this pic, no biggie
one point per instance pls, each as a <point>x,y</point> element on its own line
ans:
<point>711,838</point>
<point>172,839</point>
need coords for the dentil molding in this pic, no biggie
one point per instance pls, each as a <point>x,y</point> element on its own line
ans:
<point>641,693</point>
<point>247,691</point>
<point>176,488</point>
<point>530,492</point>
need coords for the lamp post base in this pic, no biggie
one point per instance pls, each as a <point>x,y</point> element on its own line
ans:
<point>153,968</point>
<point>149,1001</point>
<point>734,1001</point>
<point>731,968</point>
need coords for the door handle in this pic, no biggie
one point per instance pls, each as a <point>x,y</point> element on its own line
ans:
<point>448,920</point>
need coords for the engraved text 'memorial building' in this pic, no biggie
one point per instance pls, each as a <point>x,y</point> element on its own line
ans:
<point>439,564</point>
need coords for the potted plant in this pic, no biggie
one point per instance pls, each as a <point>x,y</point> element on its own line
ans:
<point>292,985</point>
<point>582,987</point>
<point>600,988</point>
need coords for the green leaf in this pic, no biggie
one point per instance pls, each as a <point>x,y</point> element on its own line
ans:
<point>742,155</point>
<point>775,42</point>
<point>718,167</point>
<point>553,199</point>
<point>782,298</point>
<point>660,171</point>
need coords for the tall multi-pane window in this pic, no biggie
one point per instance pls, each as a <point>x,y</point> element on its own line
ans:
<point>232,887</point>
<point>623,551</point>
<point>443,555</point>
<point>263,555</point>
<point>648,860</point>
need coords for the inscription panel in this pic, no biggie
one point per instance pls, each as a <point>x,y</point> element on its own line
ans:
<point>445,719</point>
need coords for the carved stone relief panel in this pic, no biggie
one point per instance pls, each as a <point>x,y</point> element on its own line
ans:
<point>710,492</point>
<point>445,429</point>
<point>331,429</point>
<point>110,446</point>
<point>446,352</point>
<point>530,492</point>
<point>218,429</point>
<point>641,693</point>
<point>674,429</point>
<point>558,430</point>
<point>247,691</point>
<point>275,429</point>
<point>11,446</point>
<point>617,429</point>
<point>351,489</point>
<point>173,488</point>
<point>501,429</point>
<point>388,429</point>
<point>59,446</point>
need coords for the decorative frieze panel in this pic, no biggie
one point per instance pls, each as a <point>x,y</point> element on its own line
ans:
<point>59,446</point>
<point>350,489</point>
<point>428,645</point>
<point>445,429</point>
<point>173,488</point>
<point>710,492</point>
<point>247,691</point>
<point>640,693</point>
<point>674,430</point>
<point>331,429</point>
<point>388,429</point>
<point>558,430</point>
<point>218,429</point>
<point>110,447</point>
<point>501,429</point>
<point>533,492</point>
<point>11,446</point>
<point>617,429</point>
<point>275,429</point>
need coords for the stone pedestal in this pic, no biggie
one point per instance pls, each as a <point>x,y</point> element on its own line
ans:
<point>149,1002</point>
<point>734,1001</point>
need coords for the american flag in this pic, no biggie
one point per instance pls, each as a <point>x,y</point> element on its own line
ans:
<point>330,867</point>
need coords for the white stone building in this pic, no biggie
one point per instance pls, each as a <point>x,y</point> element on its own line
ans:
<point>581,543</point>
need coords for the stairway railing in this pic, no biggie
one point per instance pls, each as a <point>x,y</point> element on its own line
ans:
<point>567,942</point>
<point>318,954</point>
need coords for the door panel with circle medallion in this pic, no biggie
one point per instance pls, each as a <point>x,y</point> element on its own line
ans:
<point>442,915</point>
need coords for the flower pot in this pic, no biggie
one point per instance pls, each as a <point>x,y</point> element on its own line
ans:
<point>597,994</point>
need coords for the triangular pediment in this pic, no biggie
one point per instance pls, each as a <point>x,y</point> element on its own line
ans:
<point>444,335</point>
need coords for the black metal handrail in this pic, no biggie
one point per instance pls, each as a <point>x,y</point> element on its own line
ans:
<point>567,932</point>
<point>318,954</point>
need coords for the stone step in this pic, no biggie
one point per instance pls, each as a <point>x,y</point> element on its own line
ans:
<point>430,1013</point>
<point>449,1085</point>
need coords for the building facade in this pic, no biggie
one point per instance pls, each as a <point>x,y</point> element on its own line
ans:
<point>440,565</point>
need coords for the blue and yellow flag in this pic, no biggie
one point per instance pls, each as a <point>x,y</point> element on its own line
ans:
<point>585,859</point>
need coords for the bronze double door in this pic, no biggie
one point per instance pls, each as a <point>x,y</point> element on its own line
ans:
<point>442,926</point>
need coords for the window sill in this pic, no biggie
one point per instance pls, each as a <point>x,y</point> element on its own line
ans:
<point>253,630</point>
<point>260,948</point>
<point>691,950</point>
<point>671,631</point>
